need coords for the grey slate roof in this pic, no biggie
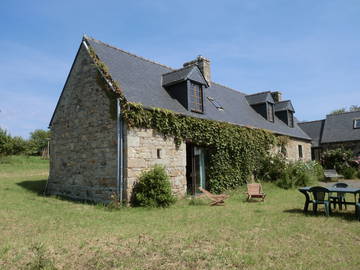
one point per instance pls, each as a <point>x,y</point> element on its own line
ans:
<point>141,82</point>
<point>260,98</point>
<point>283,106</point>
<point>314,129</point>
<point>339,128</point>
<point>190,72</point>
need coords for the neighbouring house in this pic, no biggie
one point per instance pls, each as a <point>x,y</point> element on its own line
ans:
<point>95,152</point>
<point>337,130</point>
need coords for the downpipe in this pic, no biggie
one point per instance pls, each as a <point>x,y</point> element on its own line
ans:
<point>120,156</point>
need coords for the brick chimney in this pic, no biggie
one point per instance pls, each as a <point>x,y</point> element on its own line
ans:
<point>276,96</point>
<point>204,66</point>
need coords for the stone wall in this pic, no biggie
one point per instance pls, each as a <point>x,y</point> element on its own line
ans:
<point>292,149</point>
<point>83,143</point>
<point>145,148</point>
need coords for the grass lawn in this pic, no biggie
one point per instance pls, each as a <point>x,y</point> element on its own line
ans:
<point>39,232</point>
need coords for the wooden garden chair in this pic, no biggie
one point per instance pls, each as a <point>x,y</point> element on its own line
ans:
<point>215,199</point>
<point>255,191</point>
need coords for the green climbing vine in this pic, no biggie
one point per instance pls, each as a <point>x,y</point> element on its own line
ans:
<point>233,152</point>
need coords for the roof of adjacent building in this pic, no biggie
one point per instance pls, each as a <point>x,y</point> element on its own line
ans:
<point>314,130</point>
<point>335,128</point>
<point>340,128</point>
<point>141,81</point>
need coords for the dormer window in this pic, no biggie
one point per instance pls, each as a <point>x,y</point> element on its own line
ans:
<point>270,112</point>
<point>186,85</point>
<point>263,104</point>
<point>197,102</point>
<point>285,112</point>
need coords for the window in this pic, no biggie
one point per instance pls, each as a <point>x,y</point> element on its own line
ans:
<point>216,104</point>
<point>300,151</point>
<point>197,98</point>
<point>270,112</point>
<point>357,123</point>
<point>158,153</point>
<point>290,119</point>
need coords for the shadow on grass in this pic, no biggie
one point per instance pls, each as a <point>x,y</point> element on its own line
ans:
<point>348,215</point>
<point>38,187</point>
<point>35,186</point>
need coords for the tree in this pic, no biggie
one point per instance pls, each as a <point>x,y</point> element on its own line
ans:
<point>5,142</point>
<point>38,141</point>
<point>353,108</point>
<point>338,111</point>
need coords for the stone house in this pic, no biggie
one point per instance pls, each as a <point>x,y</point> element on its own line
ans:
<point>337,130</point>
<point>94,153</point>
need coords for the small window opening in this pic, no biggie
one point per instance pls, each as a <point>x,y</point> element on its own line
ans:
<point>300,151</point>
<point>158,153</point>
<point>215,103</point>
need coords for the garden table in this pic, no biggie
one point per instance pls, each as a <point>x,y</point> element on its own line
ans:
<point>305,191</point>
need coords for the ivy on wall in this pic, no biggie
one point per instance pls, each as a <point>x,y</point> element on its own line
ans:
<point>234,152</point>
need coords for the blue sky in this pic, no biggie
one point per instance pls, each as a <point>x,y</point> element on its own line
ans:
<point>309,50</point>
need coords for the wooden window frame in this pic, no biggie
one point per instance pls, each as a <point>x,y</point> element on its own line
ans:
<point>291,119</point>
<point>197,98</point>
<point>272,111</point>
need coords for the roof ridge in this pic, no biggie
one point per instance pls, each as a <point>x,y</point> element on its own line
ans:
<point>335,114</point>
<point>229,88</point>
<point>259,93</point>
<point>176,70</point>
<point>304,122</point>
<point>131,54</point>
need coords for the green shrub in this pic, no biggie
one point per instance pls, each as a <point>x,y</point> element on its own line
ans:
<point>271,168</point>
<point>349,172</point>
<point>153,189</point>
<point>358,174</point>
<point>300,173</point>
<point>338,159</point>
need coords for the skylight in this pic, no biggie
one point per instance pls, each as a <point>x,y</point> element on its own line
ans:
<point>215,103</point>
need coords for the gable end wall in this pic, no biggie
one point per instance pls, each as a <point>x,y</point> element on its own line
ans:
<point>83,142</point>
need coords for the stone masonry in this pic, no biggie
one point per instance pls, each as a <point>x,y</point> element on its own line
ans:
<point>292,150</point>
<point>83,143</point>
<point>144,149</point>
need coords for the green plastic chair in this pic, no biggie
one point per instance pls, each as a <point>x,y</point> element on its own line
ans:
<point>340,197</point>
<point>321,195</point>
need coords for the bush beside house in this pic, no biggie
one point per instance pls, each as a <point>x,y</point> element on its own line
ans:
<point>275,168</point>
<point>342,161</point>
<point>153,189</point>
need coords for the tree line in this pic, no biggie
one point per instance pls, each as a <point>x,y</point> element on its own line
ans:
<point>16,145</point>
<point>352,108</point>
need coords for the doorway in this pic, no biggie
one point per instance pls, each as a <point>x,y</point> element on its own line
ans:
<point>195,168</point>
